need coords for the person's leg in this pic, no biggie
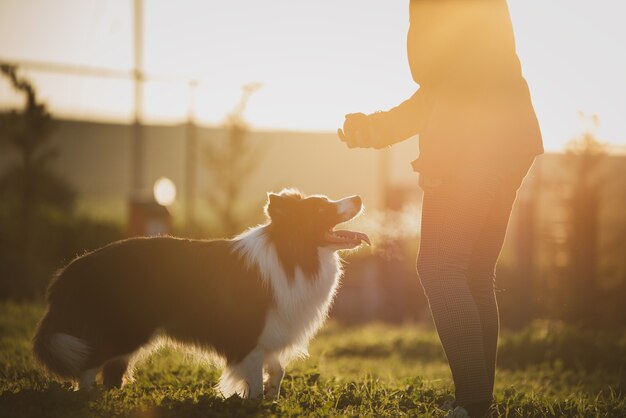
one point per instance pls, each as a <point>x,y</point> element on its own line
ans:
<point>482,270</point>
<point>453,216</point>
<point>481,279</point>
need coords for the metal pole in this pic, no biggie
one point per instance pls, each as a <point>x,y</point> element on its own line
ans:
<point>191,160</point>
<point>61,68</point>
<point>137,156</point>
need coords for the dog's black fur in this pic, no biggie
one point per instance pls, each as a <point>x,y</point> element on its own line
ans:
<point>143,280</point>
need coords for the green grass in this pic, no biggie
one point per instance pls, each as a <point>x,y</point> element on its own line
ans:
<point>547,370</point>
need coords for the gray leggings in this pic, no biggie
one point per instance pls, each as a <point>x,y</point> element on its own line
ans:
<point>464,222</point>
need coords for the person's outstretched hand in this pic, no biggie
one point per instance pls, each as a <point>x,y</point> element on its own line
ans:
<point>359,132</point>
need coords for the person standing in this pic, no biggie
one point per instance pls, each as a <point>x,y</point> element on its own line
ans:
<point>478,137</point>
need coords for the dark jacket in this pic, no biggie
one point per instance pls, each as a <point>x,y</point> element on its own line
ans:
<point>473,104</point>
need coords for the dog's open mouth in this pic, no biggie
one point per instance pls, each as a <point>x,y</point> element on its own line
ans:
<point>346,239</point>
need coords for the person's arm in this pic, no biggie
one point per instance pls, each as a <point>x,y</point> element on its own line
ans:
<point>385,128</point>
<point>400,122</point>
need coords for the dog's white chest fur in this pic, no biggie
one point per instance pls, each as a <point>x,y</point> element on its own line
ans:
<point>301,304</point>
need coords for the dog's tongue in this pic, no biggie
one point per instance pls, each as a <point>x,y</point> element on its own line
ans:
<point>344,236</point>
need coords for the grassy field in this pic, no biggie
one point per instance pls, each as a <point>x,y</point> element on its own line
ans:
<point>547,370</point>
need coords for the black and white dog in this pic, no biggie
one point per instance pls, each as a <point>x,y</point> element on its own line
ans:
<point>255,301</point>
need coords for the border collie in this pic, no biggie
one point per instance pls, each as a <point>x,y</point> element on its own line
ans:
<point>255,301</point>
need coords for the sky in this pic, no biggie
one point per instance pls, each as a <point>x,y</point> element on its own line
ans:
<point>317,60</point>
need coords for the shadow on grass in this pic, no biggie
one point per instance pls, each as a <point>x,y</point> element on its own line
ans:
<point>213,406</point>
<point>55,401</point>
<point>58,401</point>
<point>305,394</point>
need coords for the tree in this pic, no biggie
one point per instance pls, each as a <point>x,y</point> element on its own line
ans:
<point>584,156</point>
<point>30,193</point>
<point>231,164</point>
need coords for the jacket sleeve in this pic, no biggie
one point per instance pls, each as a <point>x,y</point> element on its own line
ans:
<point>401,122</point>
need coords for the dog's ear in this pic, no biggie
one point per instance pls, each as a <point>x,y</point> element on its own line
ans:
<point>276,205</point>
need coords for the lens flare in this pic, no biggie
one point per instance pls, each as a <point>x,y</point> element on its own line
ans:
<point>164,191</point>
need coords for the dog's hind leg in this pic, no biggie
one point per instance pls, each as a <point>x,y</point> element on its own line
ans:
<point>275,373</point>
<point>87,378</point>
<point>113,371</point>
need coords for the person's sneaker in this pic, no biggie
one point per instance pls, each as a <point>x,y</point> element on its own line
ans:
<point>449,406</point>
<point>458,412</point>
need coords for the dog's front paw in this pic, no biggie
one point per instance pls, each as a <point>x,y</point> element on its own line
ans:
<point>272,392</point>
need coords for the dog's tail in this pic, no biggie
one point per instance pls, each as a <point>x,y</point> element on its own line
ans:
<point>61,354</point>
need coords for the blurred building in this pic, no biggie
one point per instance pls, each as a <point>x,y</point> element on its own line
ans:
<point>96,159</point>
